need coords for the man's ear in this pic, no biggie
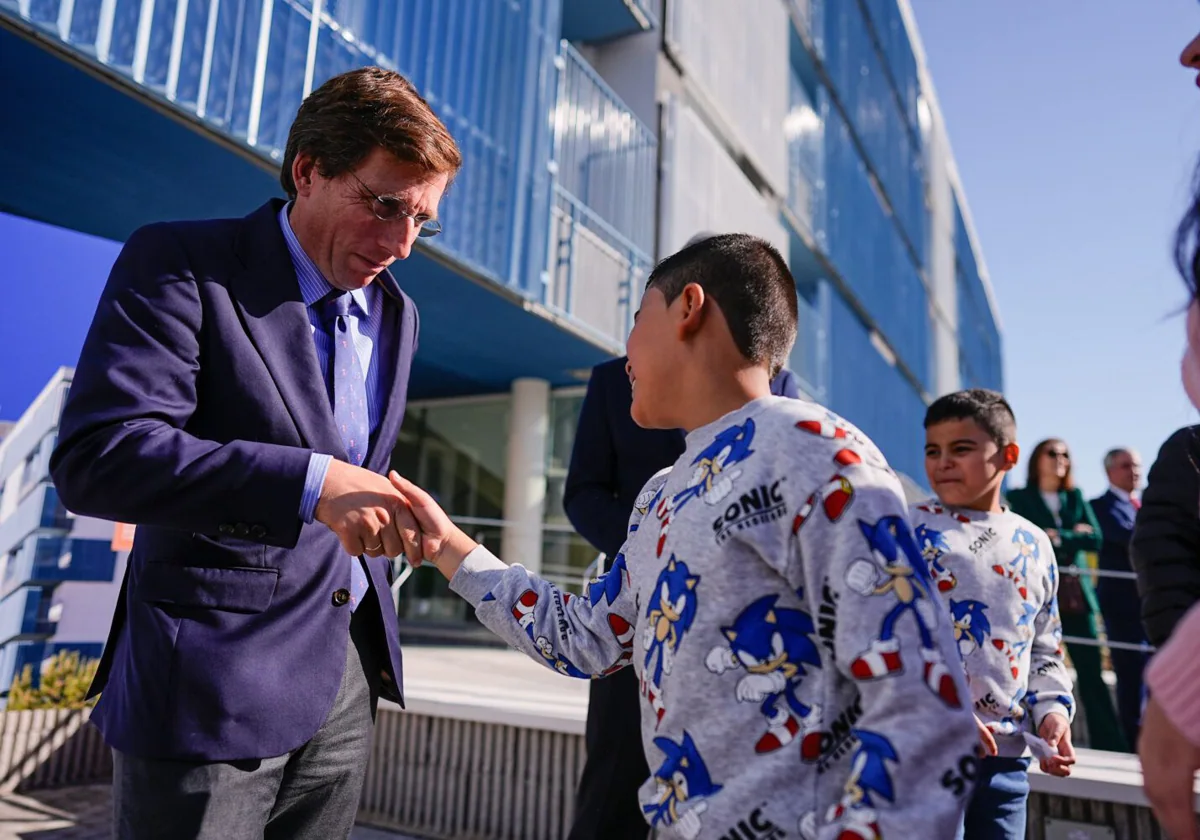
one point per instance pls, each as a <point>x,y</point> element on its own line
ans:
<point>691,310</point>
<point>1009,455</point>
<point>303,170</point>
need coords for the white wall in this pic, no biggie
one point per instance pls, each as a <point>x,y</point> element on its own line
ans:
<point>87,608</point>
<point>703,189</point>
<point>737,60</point>
<point>941,269</point>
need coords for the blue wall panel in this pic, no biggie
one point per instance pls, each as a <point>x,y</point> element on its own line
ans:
<point>980,352</point>
<point>872,394</point>
<point>873,107</point>
<point>867,250</point>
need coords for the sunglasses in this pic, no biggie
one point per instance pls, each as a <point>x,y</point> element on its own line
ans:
<point>1058,453</point>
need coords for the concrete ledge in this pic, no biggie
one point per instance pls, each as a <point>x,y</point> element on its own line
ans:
<point>1101,776</point>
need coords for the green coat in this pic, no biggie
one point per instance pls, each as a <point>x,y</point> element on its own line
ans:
<point>1074,509</point>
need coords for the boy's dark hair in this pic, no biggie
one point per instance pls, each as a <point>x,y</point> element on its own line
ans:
<point>987,408</point>
<point>750,282</point>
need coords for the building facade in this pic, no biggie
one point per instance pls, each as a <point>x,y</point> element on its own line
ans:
<point>59,573</point>
<point>598,136</point>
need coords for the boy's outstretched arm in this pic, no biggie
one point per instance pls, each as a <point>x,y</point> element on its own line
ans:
<point>577,636</point>
<point>914,761</point>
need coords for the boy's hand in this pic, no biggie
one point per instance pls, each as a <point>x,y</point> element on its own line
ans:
<point>1056,731</point>
<point>986,739</point>
<point>442,543</point>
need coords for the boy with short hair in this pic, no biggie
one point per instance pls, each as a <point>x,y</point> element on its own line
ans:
<point>997,572</point>
<point>797,671</point>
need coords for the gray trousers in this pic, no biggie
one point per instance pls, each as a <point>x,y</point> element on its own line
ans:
<point>311,793</point>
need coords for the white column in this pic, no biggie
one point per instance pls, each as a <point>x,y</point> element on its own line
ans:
<point>943,277</point>
<point>525,479</point>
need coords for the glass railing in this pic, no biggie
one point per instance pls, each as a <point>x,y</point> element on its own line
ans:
<point>491,69</point>
<point>602,216</point>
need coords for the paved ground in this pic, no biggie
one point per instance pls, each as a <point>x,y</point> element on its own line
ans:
<point>478,683</point>
<point>82,813</point>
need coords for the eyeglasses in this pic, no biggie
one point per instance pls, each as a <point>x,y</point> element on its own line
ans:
<point>388,208</point>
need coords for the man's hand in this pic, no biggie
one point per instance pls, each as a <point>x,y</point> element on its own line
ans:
<point>1056,731</point>
<point>441,542</point>
<point>986,739</point>
<point>1169,765</point>
<point>367,513</point>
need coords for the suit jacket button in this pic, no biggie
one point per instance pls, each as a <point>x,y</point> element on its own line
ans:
<point>241,530</point>
<point>225,529</point>
<point>258,532</point>
<point>341,597</point>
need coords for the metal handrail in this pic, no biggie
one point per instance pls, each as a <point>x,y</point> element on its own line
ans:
<point>1079,571</point>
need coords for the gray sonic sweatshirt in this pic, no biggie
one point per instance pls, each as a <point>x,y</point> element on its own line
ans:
<point>997,575</point>
<point>798,673</point>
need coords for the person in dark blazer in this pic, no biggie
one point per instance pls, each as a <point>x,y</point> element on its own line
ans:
<point>1166,539</point>
<point>1051,501</point>
<point>611,461</point>
<point>1116,512</point>
<point>237,398</point>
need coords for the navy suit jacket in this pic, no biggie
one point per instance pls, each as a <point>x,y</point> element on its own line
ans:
<point>194,409</point>
<point>1116,517</point>
<point>613,457</point>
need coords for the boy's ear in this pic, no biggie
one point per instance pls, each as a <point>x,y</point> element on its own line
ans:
<point>691,308</point>
<point>1009,455</point>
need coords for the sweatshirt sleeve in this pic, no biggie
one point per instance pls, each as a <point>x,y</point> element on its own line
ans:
<point>1049,683</point>
<point>916,735</point>
<point>581,636</point>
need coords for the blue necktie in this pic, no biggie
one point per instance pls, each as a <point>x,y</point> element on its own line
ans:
<point>349,398</point>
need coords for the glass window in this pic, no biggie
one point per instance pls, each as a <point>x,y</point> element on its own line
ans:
<point>566,556</point>
<point>456,451</point>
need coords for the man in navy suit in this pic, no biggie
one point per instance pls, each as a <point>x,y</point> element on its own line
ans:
<point>1120,605</point>
<point>238,398</point>
<point>611,461</point>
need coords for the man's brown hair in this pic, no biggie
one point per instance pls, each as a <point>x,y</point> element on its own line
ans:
<point>343,120</point>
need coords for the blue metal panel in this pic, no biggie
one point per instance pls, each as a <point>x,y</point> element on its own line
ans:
<point>490,68</point>
<point>872,394</point>
<point>856,70</point>
<point>23,614</point>
<point>595,21</point>
<point>57,559</point>
<point>869,253</point>
<point>805,133</point>
<point>980,360</point>
<point>809,358</point>
<point>900,60</point>
<point>144,163</point>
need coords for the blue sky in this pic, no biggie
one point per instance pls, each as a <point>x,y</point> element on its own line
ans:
<point>52,279</point>
<point>1074,135</point>
<point>1075,130</point>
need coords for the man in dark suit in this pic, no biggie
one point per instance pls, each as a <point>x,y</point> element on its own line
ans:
<point>612,460</point>
<point>238,398</point>
<point>1116,512</point>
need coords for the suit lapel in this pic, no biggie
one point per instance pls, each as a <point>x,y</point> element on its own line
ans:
<point>268,295</point>
<point>400,328</point>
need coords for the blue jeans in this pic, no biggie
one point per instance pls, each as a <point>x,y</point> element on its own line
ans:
<point>996,810</point>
